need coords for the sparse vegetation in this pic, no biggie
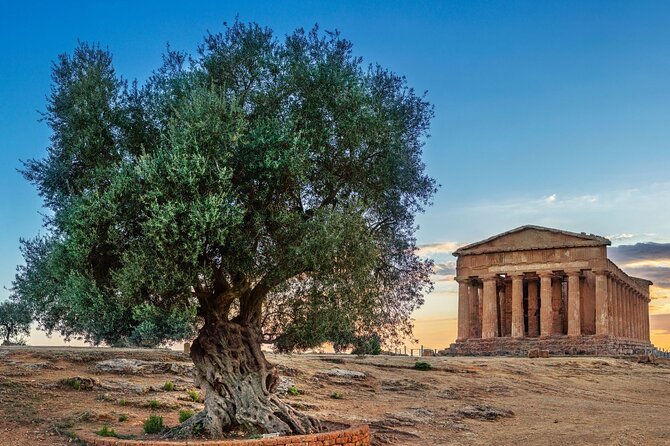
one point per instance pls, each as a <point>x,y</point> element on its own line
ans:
<point>107,432</point>
<point>336,396</point>
<point>154,404</point>
<point>195,395</point>
<point>168,386</point>
<point>185,415</point>
<point>122,402</point>
<point>153,424</point>
<point>422,365</point>
<point>123,417</point>
<point>293,390</point>
<point>74,383</point>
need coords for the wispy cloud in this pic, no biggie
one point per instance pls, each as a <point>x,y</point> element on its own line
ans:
<point>438,248</point>
<point>617,237</point>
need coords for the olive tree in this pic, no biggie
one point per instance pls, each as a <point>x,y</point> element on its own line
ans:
<point>256,176</point>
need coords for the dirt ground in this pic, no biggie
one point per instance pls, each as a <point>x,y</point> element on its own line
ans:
<point>47,395</point>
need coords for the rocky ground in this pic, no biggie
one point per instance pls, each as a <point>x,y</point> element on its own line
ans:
<point>49,394</point>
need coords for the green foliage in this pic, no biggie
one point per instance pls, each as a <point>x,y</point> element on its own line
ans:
<point>154,404</point>
<point>276,178</point>
<point>422,365</point>
<point>122,402</point>
<point>185,415</point>
<point>107,432</point>
<point>168,386</point>
<point>195,395</point>
<point>293,390</point>
<point>77,384</point>
<point>336,395</point>
<point>367,345</point>
<point>153,424</point>
<point>15,319</point>
<point>123,417</point>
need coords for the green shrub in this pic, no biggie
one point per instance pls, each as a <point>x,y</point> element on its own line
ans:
<point>169,386</point>
<point>185,415</point>
<point>195,395</point>
<point>74,383</point>
<point>293,390</point>
<point>367,345</point>
<point>122,402</point>
<point>123,417</point>
<point>336,396</point>
<point>154,404</point>
<point>106,432</point>
<point>153,424</point>
<point>422,365</point>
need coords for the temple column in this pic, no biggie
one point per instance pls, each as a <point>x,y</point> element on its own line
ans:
<point>501,308</point>
<point>640,332</point>
<point>556,302</point>
<point>611,306</point>
<point>619,308</point>
<point>638,313</point>
<point>533,307</point>
<point>517,306</point>
<point>546,312</point>
<point>646,319</point>
<point>463,308</point>
<point>636,316</point>
<point>490,313</point>
<point>629,312</point>
<point>602,305</point>
<point>574,307</point>
<point>475,321</point>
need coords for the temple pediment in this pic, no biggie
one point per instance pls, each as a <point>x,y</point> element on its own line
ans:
<point>530,238</point>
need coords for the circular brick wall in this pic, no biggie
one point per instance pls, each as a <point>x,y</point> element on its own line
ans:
<point>354,436</point>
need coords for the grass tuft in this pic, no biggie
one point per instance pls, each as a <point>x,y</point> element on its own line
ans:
<point>153,424</point>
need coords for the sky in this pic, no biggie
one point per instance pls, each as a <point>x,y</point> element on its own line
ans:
<point>546,113</point>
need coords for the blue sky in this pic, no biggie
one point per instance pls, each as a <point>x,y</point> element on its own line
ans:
<point>550,113</point>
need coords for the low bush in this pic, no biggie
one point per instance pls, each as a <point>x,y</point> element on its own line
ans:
<point>153,424</point>
<point>154,404</point>
<point>195,395</point>
<point>336,396</point>
<point>169,386</point>
<point>123,417</point>
<point>422,365</point>
<point>107,432</point>
<point>293,390</point>
<point>185,415</point>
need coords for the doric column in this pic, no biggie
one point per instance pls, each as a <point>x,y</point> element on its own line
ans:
<point>546,312</point>
<point>619,308</point>
<point>638,299</point>
<point>490,314</point>
<point>638,314</point>
<point>501,308</point>
<point>475,322</point>
<point>636,322</point>
<point>611,306</point>
<point>517,306</point>
<point>574,307</point>
<point>556,302</point>
<point>463,308</point>
<point>533,307</point>
<point>602,306</point>
<point>646,319</point>
<point>629,311</point>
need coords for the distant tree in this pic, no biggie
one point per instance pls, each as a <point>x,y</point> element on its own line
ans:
<point>15,322</point>
<point>367,345</point>
<point>254,173</point>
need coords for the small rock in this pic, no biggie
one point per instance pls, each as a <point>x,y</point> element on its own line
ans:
<point>343,373</point>
<point>484,412</point>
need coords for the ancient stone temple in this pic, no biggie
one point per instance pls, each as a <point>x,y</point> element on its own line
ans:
<point>535,287</point>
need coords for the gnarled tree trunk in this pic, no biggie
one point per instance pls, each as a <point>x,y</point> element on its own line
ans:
<point>239,383</point>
